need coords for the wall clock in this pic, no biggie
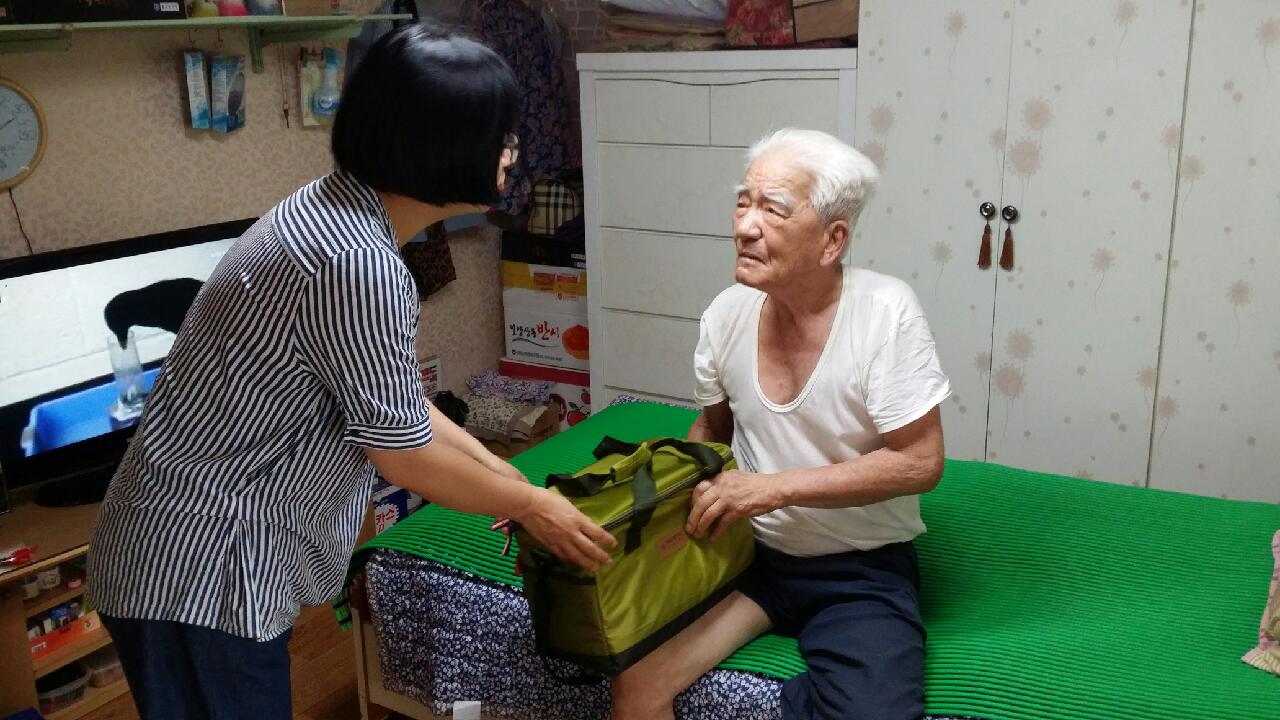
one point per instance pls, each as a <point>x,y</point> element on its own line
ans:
<point>22,134</point>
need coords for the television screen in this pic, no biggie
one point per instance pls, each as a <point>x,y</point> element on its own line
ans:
<point>83,334</point>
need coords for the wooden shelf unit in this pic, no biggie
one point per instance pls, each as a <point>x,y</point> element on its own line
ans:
<point>52,598</point>
<point>94,698</point>
<point>262,30</point>
<point>95,639</point>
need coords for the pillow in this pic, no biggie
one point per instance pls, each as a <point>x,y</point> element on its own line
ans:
<point>1267,655</point>
<point>714,10</point>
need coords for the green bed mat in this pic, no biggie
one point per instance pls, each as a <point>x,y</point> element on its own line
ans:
<point>1045,597</point>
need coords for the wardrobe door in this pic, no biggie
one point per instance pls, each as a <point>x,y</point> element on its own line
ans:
<point>932,89</point>
<point>1095,102</point>
<point>1218,397</point>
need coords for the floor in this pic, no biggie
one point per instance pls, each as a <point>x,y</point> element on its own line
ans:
<point>323,670</point>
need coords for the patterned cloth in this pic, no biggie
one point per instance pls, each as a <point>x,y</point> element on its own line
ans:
<point>1267,655</point>
<point>429,261</point>
<point>491,384</point>
<point>500,419</point>
<point>445,635</point>
<point>555,202</point>
<point>530,45</point>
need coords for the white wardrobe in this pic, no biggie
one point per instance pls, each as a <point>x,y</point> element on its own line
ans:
<point>1127,342</point>
<point>664,141</point>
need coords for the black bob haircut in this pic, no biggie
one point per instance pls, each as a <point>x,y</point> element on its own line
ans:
<point>425,115</point>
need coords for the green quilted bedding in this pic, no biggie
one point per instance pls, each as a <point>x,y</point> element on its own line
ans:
<point>1045,598</point>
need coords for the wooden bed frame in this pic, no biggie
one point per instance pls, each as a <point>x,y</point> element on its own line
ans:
<point>376,701</point>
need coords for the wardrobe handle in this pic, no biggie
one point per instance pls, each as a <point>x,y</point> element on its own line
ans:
<point>1010,215</point>
<point>987,211</point>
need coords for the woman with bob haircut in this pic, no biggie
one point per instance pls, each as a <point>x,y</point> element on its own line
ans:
<point>292,379</point>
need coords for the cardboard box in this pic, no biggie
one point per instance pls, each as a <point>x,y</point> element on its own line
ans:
<point>431,382</point>
<point>544,300</point>
<point>63,11</point>
<point>570,389</point>
<point>68,633</point>
<point>544,272</point>
<point>550,288</point>
<point>524,247</point>
<point>547,338</point>
<point>391,504</point>
<point>546,426</point>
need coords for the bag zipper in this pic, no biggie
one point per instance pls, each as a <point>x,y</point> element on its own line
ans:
<point>681,486</point>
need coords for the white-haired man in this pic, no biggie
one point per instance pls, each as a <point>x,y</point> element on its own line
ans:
<point>825,380</point>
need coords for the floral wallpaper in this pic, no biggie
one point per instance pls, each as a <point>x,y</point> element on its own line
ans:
<point>120,162</point>
<point>1218,382</point>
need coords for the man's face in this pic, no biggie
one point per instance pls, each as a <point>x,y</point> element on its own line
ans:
<point>778,234</point>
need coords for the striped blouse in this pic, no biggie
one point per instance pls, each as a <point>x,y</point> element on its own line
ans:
<point>241,495</point>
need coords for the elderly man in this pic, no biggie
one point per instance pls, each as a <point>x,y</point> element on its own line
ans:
<point>825,380</point>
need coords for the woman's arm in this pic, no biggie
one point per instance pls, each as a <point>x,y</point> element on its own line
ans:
<point>447,432</point>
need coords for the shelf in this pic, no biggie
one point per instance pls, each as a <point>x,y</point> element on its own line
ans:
<point>55,597</point>
<point>93,640</point>
<point>262,30</point>
<point>94,698</point>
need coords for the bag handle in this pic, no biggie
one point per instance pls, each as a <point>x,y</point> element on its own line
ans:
<point>644,490</point>
<point>711,462</point>
<point>644,498</point>
<point>590,484</point>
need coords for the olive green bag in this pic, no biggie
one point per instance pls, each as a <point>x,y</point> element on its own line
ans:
<point>660,579</point>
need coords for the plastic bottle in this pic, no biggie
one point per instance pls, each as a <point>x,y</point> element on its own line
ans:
<point>324,105</point>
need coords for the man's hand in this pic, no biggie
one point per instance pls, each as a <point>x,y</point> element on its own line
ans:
<point>729,497</point>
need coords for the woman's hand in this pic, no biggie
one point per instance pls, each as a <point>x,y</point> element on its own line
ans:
<point>565,531</point>
<point>506,469</point>
<point>509,471</point>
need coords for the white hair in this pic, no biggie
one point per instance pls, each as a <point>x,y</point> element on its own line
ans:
<point>843,179</point>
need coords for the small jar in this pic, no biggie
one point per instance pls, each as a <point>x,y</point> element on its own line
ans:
<point>31,587</point>
<point>50,579</point>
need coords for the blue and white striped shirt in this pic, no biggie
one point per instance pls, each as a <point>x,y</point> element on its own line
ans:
<point>241,495</point>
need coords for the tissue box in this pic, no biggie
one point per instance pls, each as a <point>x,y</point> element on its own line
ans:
<point>60,11</point>
<point>197,89</point>
<point>226,73</point>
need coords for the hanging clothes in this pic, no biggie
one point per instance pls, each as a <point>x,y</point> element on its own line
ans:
<point>430,261</point>
<point>528,39</point>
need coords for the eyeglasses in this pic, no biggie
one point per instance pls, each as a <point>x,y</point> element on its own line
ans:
<point>511,143</point>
